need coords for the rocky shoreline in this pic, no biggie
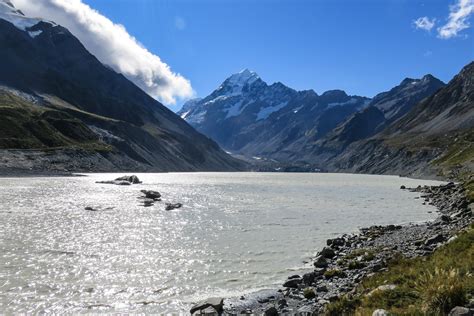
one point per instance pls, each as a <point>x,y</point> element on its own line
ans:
<point>346,260</point>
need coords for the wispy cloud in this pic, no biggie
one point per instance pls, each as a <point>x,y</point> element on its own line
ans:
<point>457,20</point>
<point>180,23</point>
<point>424,23</point>
<point>114,46</point>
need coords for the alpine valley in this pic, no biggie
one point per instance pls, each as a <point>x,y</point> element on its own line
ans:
<point>420,127</point>
<point>63,110</point>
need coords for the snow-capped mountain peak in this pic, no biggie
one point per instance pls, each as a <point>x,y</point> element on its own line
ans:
<point>235,83</point>
<point>9,13</point>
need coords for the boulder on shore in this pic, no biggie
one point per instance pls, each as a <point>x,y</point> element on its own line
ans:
<point>320,262</point>
<point>216,303</point>
<point>293,283</point>
<point>461,311</point>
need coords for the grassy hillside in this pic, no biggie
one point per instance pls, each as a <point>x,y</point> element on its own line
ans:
<point>25,125</point>
<point>430,285</point>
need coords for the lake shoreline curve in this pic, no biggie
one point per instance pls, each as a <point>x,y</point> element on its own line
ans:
<point>346,260</point>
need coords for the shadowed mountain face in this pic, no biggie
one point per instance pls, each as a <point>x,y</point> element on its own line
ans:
<point>45,69</point>
<point>420,127</point>
<point>384,109</point>
<point>435,136</point>
<point>246,115</point>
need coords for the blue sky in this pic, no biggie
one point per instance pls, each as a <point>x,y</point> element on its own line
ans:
<point>361,46</point>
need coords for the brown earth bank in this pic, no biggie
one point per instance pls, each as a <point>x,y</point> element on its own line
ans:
<point>350,260</point>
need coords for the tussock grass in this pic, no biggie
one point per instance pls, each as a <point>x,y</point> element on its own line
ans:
<point>427,285</point>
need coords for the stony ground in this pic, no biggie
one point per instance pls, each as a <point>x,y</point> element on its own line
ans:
<point>346,260</point>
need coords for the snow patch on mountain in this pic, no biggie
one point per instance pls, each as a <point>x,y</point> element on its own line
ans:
<point>234,109</point>
<point>9,13</point>
<point>351,101</point>
<point>33,34</point>
<point>265,112</point>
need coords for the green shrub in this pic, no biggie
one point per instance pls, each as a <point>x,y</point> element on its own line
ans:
<point>353,265</point>
<point>442,290</point>
<point>343,306</point>
<point>309,293</point>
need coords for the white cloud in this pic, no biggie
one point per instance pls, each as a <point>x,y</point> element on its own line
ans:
<point>113,46</point>
<point>457,20</point>
<point>424,23</point>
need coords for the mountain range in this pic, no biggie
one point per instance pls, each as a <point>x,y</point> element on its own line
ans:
<point>62,109</point>
<point>415,128</point>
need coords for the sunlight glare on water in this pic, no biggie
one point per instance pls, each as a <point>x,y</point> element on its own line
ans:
<point>236,233</point>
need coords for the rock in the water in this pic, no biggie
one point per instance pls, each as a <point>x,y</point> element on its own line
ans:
<point>149,194</point>
<point>320,262</point>
<point>403,187</point>
<point>122,182</point>
<point>327,253</point>
<point>148,202</point>
<point>293,283</point>
<point>216,303</point>
<point>132,179</point>
<point>125,180</point>
<point>380,312</point>
<point>336,242</point>
<point>97,209</point>
<point>172,206</point>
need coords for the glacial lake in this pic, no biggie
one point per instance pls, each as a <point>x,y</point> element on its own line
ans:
<point>236,233</point>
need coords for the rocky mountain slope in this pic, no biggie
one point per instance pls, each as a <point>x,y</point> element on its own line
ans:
<point>420,127</point>
<point>246,115</point>
<point>56,96</point>
<point>435,136</point>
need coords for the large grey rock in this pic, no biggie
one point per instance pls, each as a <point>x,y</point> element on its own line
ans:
<point>435,239</point>
<point>307,310</point>
<point>125,180</point>
<point>461,311</point>
<point>272,311</point>
<point>172,206</point>
<point>380,312</point>
<point>320,262</point>
<point>216,303</point>
<point>292,283</point>
<point>327,253</point>
<point>132,179</point>
<point>149,194</point>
